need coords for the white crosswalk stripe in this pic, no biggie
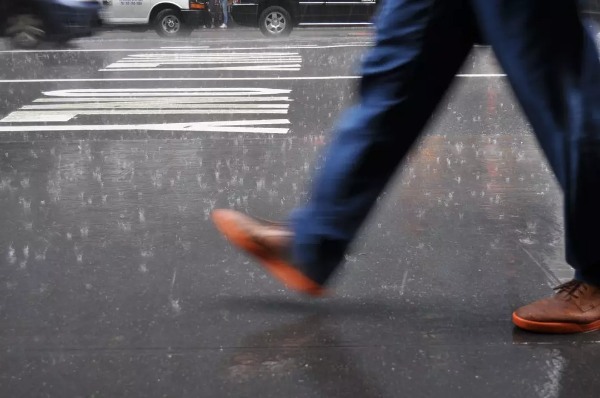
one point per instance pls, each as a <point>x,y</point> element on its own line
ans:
<point>208,61</point>
<point>63,106</point>
<point>238,126</point>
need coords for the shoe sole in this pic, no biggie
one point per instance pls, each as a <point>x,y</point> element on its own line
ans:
<point>279,269</point>
<point>554,327</point>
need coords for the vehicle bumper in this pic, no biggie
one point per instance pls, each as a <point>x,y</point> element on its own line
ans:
<point>245,14</point>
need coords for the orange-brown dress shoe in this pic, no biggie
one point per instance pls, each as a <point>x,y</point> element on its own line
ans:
<point>575,308</point>
<point>270,243</point>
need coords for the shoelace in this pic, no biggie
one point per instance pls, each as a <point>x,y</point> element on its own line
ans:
<point>571,289</point>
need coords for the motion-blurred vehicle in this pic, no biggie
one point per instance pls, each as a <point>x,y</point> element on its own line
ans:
<point>279,17</point>
<point>170,18</point>
<point>29,22</point>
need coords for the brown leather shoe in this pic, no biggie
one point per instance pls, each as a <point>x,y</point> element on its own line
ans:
<point>575,308</point>
<point>270,243</point>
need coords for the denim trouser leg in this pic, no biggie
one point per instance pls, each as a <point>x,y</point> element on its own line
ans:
<point>225,13</point>
<point>420,44</point>
<point>553,66</point>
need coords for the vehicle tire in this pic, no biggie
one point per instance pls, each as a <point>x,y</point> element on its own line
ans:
<point>275,21</point>
<point>168,23</point>
<point>25,31</point>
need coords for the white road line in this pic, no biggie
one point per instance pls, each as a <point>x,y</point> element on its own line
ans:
<point>168,104</point>
<point>179,79</point>
<point>160,101</point>
<point>241,68</point>
<point>269,68</point>
<point>142,92</point>
<point>65,116</point>
<point>220,55</point>
<point>92,50</point>
<point>240,126</point>
<point>481,75</point>
<point>185,48</point>
<point>304,46</point>
<point>292,47</point>
<point>156,63</point>
<point>205,79</point>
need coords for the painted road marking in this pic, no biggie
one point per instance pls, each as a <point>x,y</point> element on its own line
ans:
<point>131,50</point>
<point>150,97</point>
<point>63,106</point>
<point>179,79</point>
<point>208,61</point>
<point>154,92</point>
<point>238,126</point>
<point>65,116</point>
<point>204,79</point>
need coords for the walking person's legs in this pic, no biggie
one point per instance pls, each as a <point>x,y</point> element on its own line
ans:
<point>420,45</point>
<point>225,12</point>
<point>555,74</point>
<point>224,7</point>
<point>212,13</point>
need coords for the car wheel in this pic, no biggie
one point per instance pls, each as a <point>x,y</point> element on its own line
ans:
<point>25,31</point>
<point>275,21</point>
<point>168,23</point>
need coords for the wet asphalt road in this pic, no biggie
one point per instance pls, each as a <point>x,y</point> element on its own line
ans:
<point>113,282</point>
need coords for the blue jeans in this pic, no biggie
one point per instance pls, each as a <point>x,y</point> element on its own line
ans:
<point>225,13</point>
<point>552,64</point>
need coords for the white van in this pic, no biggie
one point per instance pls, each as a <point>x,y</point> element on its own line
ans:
<point>168,17</point>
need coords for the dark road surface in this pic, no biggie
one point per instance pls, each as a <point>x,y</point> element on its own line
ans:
<point>113,282</point>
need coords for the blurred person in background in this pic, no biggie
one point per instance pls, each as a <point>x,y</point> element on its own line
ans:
<point>419,47</point>
<point>225,10</point>
<point>212,14</point>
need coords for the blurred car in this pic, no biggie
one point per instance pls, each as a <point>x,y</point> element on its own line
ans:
<point>168,17</point>
<point>29,22</point>
<point>279,17</point>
